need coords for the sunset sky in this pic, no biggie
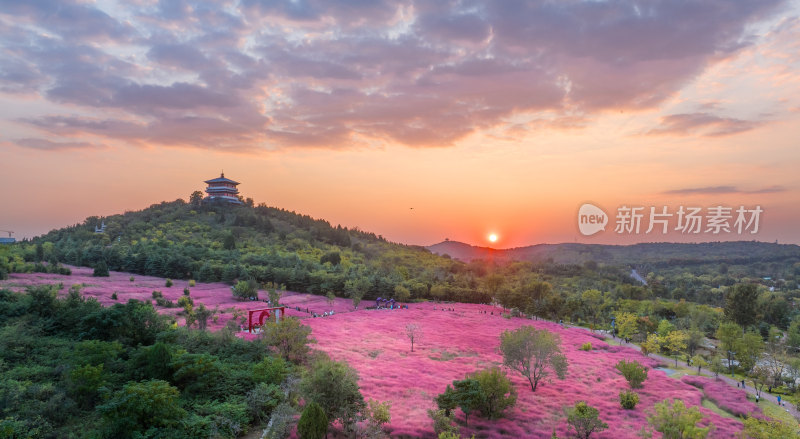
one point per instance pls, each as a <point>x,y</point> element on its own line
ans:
<point>418,121</point>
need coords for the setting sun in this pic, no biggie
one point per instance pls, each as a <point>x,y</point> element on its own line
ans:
<point>493,237</point>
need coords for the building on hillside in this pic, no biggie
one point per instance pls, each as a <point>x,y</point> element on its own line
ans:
<point>222,189</point>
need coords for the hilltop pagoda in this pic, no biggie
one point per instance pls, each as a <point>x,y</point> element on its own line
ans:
<point>222,189</point>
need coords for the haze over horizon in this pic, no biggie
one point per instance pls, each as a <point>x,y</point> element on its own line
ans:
<point>415,121</point>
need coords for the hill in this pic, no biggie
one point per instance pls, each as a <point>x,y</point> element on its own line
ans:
<point>658,254</point>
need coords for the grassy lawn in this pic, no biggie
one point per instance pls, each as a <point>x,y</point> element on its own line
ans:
<point>773,411</point>
<point>707,403</point>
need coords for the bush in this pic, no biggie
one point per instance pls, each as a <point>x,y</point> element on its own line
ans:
<point>186,291</point>
<point>191,282</point>
<point>313,423</point>
<point>131,279</point>
<point>498,392</point>
<point>633,371</point>
<point>628,399</point>
<point>168,283</point>
<point>101,269</point>
<point>584,420</point>
<point>586,347</point>
<point>262,400</point>
<point>442,422</point>
<point>157,294</point>
<point>114,296</point>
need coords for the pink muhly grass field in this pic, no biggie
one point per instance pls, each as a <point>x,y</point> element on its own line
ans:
<point>452,344</point>
<point>724,396</point>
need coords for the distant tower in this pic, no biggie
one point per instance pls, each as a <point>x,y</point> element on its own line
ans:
<point>222,189</point>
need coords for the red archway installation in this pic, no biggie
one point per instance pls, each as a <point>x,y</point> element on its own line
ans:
<point>257,317</point>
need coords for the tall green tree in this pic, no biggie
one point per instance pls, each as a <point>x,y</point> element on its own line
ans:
<point>534,353</point>
<point>728,334</point>
<point>741,304</point>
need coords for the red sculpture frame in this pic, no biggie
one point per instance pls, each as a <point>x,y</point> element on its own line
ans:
<point>263,313</point>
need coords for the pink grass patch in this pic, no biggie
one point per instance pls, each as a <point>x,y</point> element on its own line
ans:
<point>724,396</point>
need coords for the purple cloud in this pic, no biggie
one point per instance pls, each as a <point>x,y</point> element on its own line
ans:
<point>321,73</point>
<point>703,124</point>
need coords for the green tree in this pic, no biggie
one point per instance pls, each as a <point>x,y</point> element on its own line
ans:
<point>101,269</point>
<point>447,401</point>
<point>499,393</point>
<point>755,428</point>
<point>229,242</point>
<point>313,423</point>
<point>717,366</point>
<point>289,338</point>
<point>85,382</point>
<point>196,198</point>
<point>675,343</point>
<point>334,386</point>
<point>202,314</point>
<point>652,344</point>
<point>700,362</point>
<point>627,325</point>
<point>740,304</point>
<point>584,420</point>
<point>245,289</point>
<point>141,406</point>
<point>271,370</point>
<point>378,414</point>
<point>728,334</point>
<point>593,304</point>
<point>633,371</point>
<point>156,362</point>
<point>469,395</point>
<point>533,353</point>
<point>750,347</point>
<point>676,421</point>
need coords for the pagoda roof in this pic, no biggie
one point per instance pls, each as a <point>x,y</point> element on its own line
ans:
<point>221,179</point>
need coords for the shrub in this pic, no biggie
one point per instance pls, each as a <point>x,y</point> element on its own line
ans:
<point>186,291</point>
<point>498,392</point>
<point>114,296</point>
<point>586,347</point>
<point>628,399</point>
<point>584,419</point>
<point>313,423</point>
<point>101,269</point>
<point>157,294</point>
<point>191,282</point>
<point>633,371</point>
<point>168,283</point>
<point>442,422</point>
<point>131,279</point>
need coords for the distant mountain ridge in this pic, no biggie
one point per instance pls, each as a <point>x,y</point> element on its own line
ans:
<point>651,253</point>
